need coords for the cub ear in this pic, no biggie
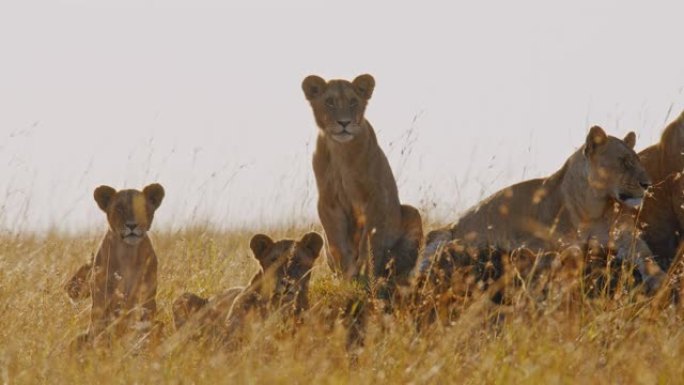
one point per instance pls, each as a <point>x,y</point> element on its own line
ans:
<point>313,86</point>
<point>103,196</point>
<point>260,244</point>
<point>630,139</point>
<point>154,194</point>
<point>596,138</point>
<point>313,242</point>
<point>364,85</point>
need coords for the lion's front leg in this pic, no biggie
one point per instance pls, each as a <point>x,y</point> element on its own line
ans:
<point>143,304</point>
<point>632,249</point>
<point>149,310</point>
<point>100,312</point>
<point>148,292</point>
<point>341,253</point>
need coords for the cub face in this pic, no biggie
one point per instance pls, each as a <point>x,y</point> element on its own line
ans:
<point>286,266</point>
<point>339,105</point>
<point>615,168</point>
<point>129,212</point>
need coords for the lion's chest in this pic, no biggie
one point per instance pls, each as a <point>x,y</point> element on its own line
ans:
<point>356,184</point>
<point>351,190</point>
<point>131,278</point>
<point>125,278</point>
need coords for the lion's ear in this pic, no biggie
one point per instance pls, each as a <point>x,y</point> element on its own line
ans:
<point>313,86</point>
<point>103,196</point>
<point>630,139</point>
<point>364,85</point>
<point>313,242</point>
<point>154,194</point>
<point>260,244</point>
<point>596,138</point>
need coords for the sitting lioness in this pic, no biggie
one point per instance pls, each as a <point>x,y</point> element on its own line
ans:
<point>662,216</point>
<point>282,282</point>
<point>122,278</point>
<point>358,202</point>
<point>571,207</point>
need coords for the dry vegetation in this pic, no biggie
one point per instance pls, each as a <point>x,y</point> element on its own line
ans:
<point>563,338</point>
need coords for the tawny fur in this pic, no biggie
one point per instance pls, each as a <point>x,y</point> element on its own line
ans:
<point>662,217</point>
<point>282,282</point>
<point>122,277</point>
<point>365,224</point>
<point>580,202</point>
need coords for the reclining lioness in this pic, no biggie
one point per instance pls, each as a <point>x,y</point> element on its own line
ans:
<point>282,282</point>
<point>574,205</point>
<point>122,278</point>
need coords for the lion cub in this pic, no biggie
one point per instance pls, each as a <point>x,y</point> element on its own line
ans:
<point>122,278</point>
<point>358,202</point>
<point>282,282</point>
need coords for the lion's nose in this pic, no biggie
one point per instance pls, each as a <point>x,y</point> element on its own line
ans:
<point>343,123</point>
<point>131,226</point>
<point>645,184</point>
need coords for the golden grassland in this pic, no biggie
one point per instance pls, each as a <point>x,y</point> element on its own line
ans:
<point>622,340</point>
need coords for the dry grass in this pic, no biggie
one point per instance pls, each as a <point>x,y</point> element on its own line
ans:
<point>623,340</point>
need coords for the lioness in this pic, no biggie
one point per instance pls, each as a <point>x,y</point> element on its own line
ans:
<point>574,205</point>
<point>122,278</point>
<point>282,282</point>
<point>663,213</point>
<point>358,202</point>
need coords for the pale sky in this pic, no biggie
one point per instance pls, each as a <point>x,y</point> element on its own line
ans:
<point>204,97</point>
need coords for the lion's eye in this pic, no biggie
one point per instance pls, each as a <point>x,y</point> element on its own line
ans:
<point>353,103</point>
<point>330,103</point>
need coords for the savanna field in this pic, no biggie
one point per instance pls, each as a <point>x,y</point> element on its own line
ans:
<point>563,336</point>
<point>516,168</point>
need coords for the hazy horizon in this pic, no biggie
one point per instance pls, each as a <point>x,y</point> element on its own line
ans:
<point>205,98</point>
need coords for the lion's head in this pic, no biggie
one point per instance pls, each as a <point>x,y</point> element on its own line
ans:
<point>614,167</point>
<point>339,105</point>
<point>129,212</point>
<point>286,266</point>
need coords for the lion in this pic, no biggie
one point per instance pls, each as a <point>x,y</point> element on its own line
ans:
<point>213,310</point>
<point>358,201</point>
<point>122,277</point>
<point>282,283</point>
<point>662,215</point>
<point>575,206</point>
